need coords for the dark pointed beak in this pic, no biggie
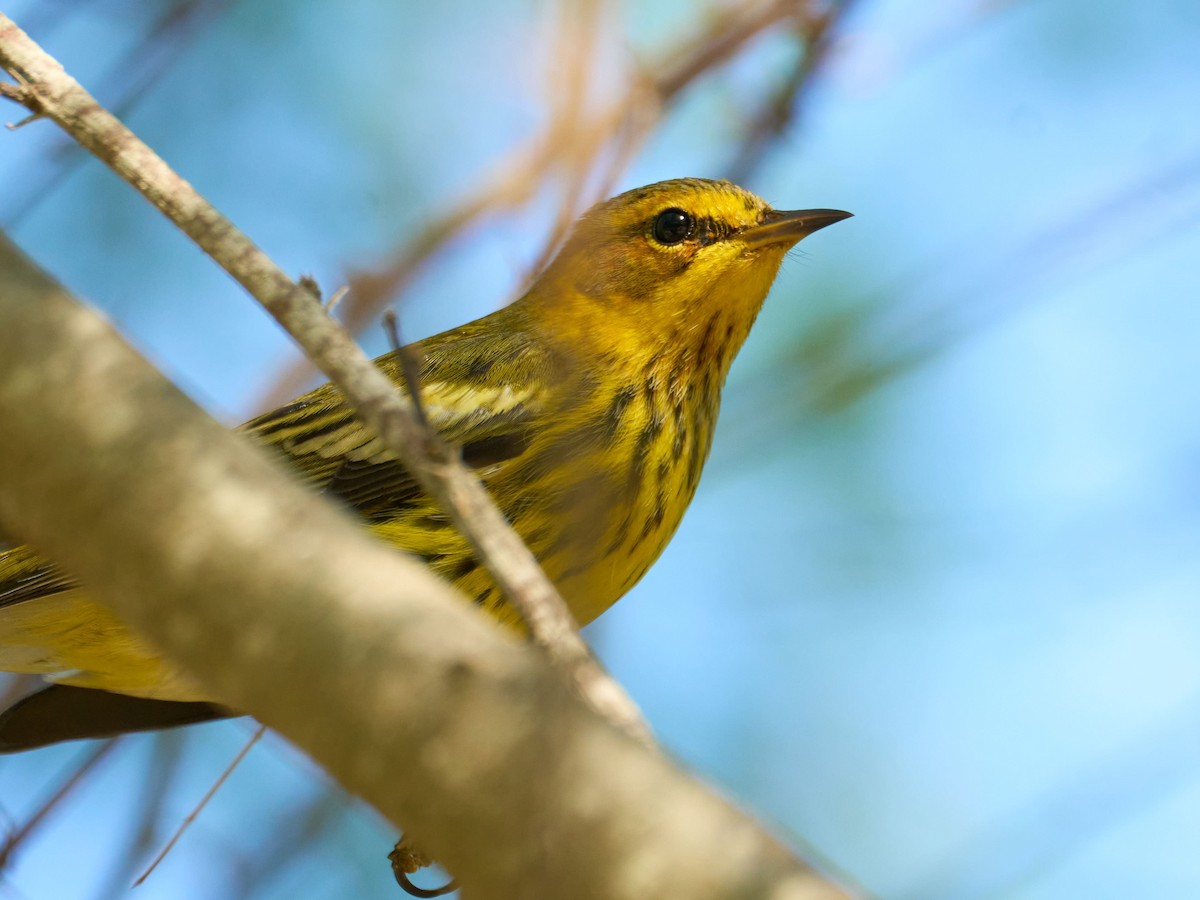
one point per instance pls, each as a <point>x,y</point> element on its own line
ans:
<point>789,226</point>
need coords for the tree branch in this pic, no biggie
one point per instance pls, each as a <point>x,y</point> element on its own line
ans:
<point>46,89</point>
<point>284,607</point>
<point>569,147</point>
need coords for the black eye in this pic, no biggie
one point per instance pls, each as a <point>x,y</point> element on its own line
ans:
<point>672,226</point>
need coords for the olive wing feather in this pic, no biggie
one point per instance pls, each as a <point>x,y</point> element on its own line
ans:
<point>481,391</point>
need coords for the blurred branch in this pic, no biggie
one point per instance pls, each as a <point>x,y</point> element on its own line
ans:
<point>294,832</point>
<point>572,63</point>
<point>50,14</point>
<point>408,695</point>
<point>816,30</point>
<point>129,78</point>
<point>1073,815</point>
<point>183,826</point>
<point>13,842</point>
<point>48,91</point>
<point>956,22</point>
<point>569,148</point>
<point>856,350</point>
<point>154,784</point>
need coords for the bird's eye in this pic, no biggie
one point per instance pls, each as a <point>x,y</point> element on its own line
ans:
<point>673,226</point>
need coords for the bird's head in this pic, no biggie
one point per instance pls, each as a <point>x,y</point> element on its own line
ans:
<point>672,259</point>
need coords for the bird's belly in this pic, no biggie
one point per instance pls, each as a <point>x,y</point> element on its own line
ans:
<point>601,551</point>
<point>610,577</point>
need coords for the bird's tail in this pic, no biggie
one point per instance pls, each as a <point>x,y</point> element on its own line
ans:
<point>64,713</point>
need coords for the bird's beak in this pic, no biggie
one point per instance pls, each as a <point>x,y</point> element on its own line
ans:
<point>789,226</point>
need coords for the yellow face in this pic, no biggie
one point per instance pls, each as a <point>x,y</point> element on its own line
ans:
<point>675,236</point>
<point>676,251</point>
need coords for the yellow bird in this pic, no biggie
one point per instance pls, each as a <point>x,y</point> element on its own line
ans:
<point>587,407</point>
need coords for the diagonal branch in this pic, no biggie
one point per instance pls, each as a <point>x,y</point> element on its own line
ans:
<point>47,90</point>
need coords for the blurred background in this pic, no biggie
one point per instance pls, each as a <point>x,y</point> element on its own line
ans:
<point>935,612</point>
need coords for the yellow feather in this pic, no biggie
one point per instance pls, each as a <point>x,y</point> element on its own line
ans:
<point>587,408</point>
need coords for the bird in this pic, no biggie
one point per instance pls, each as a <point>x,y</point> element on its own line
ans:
<point>587,407</point>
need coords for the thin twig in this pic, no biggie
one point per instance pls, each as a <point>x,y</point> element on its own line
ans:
<point>336,297</point>
<point>199,807</point>
<point>437,468</point>
<point>571,64</point>
<point>410,365</point>
<point>817,32</point>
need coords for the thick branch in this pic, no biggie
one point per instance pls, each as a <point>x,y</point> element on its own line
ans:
<point>287,609</point>
<point>47,90</point>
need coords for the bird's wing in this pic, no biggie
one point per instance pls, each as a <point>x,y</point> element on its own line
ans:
<point>26,576</point>
<point>481,389</point>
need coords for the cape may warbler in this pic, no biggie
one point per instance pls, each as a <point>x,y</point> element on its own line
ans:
<point>587,407</point>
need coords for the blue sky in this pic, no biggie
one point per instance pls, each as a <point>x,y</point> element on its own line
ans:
<point>934,610</point>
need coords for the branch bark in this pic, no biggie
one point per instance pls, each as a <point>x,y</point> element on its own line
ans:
<point>288,610</point>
